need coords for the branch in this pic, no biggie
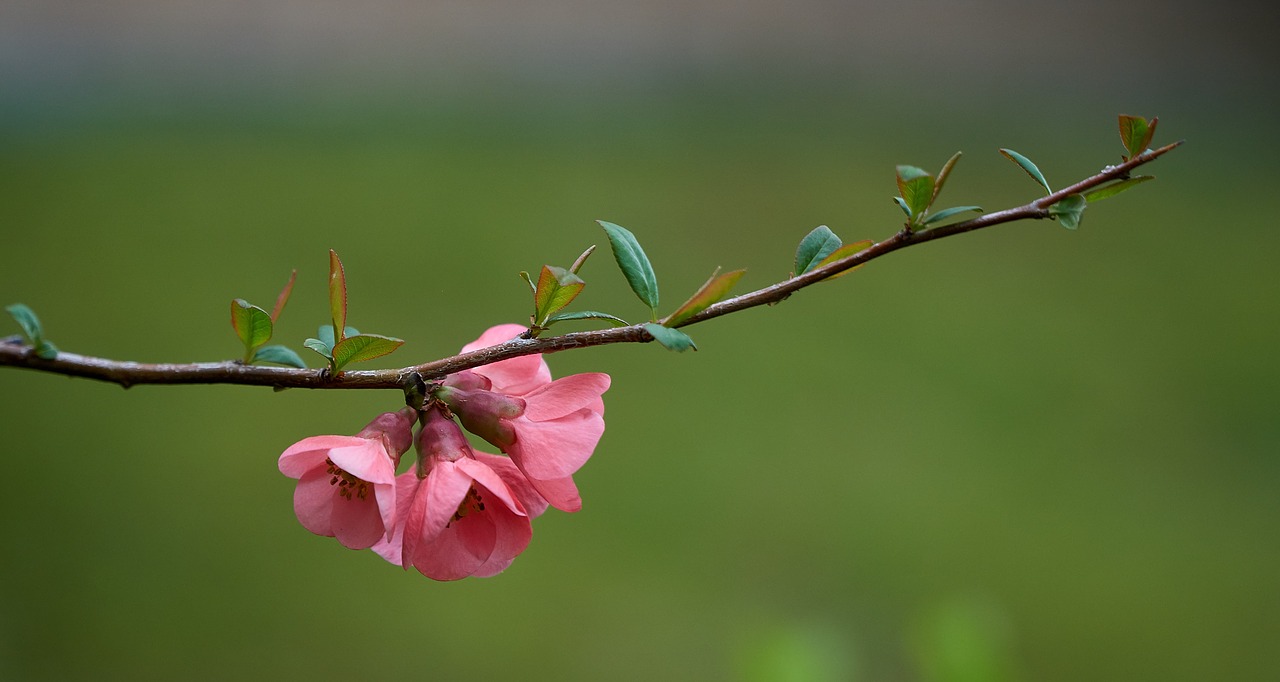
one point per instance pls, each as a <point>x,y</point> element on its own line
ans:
<point>14,353</point>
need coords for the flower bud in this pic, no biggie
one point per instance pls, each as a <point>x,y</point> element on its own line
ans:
<point>439,439</point>
<point>395,429</point>
<point>484,413</point>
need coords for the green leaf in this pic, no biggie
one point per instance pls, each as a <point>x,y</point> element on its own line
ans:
<point>943,175</point>
<point>325,334</point>
<point>815,246</point>
<point>337,292</point>
<point>283,298</point>
<point>1069,210</point>
<point>1136,133</point>
<point>1116,187</point>
<point>844,252</point>
<point>26,318</point>
<point>252,324</point>
<point>363,347</point>
<point>715,288</point>
<point>556,289</point>
<point>319,346</point>
<point>46,350</point>
<point>902,205</point>
<point>916,188</point>
<point>279,355</point>
<point>1027,166</point>
<point>948,212</point>
<point>585,315</point>
<point>671,339</point>
<point>633,263</point>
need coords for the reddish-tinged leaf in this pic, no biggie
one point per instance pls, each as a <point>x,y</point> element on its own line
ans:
<point>944,174</point>
<point>283,298</point>
<point>715,289</point>
<point>337,294</point>
<point>1136,133</point>
<point>844,252</point>
<point>556,289</point>
<point>577,264</point>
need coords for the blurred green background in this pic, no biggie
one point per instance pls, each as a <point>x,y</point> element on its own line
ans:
<point>1020,454</point>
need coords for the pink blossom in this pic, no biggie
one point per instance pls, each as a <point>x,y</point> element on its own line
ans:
<point>549,432</point>
<point>456,515</point>
<point>346,484</point>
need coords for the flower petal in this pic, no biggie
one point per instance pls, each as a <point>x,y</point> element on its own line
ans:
<point>458,551</point>
<point>530,500</point>
<point>309,453</point>
<point>556,448</point>
<point>512,534</point>
<point>356,523</point>
<point>486,477</point>
<point>313,502</point>
<point>514,376</point>
<point>560,493</point>
<point>567,395</point>
<point>367,461</point>
<point>390,547</point>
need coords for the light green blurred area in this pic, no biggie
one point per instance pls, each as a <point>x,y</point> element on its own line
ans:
<point>1020,454</point>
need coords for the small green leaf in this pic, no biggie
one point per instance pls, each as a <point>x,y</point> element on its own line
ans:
<point>46,350</point>
<point>1136,133</point>
<point>556,289</point>
<point>634,264</point>
<point>325,334</point>
<point>319,346</point>
<point>252,324</point>
<point>671,339</point>
<point>1027,166</point>
<point>943,175</point>
<point>902,205</point>
<point>532,287</point>
<point>916,188</point>
<point>279,355</point>
<point>363,347</point>
<point>815,246</point>
<point>948,212</point>
<point>715,288</point>
<point>1069,210</point>
<point>337,292</point>
<point>844,252</point>
<point>283,298</point>
<point>26,318</point>
<point>1116,187</point>
<point>585,315</point>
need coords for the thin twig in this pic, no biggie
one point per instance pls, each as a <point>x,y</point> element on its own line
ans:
<point>13,353</point>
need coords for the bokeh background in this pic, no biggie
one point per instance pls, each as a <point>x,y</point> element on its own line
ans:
<point>1020,454</point>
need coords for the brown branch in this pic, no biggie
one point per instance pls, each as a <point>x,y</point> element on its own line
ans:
<point>16,354</point>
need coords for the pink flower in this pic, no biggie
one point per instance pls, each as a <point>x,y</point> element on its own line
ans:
<point>549,432</point>
<point>346,484</point>
<point>457,517</point>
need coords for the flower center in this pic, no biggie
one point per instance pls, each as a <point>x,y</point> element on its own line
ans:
<point>471,503</point>
<point>347,484</point>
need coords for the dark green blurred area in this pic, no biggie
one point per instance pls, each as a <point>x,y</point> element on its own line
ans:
<point>1020,454</point>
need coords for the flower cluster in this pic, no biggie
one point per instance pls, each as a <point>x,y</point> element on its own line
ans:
<point>456,512</point>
